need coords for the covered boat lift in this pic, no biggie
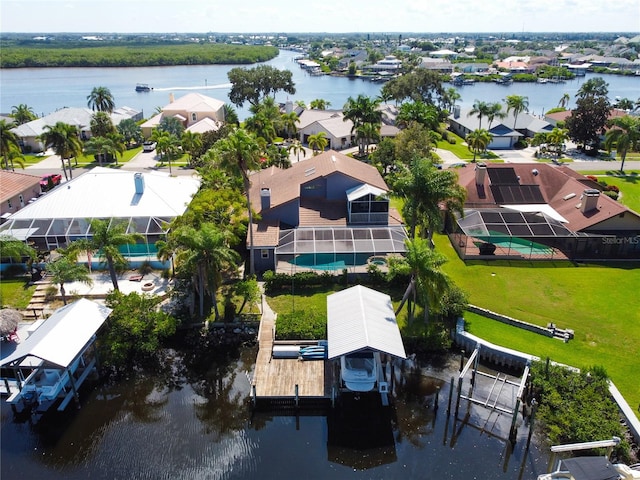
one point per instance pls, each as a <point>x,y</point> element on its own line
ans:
<point>362,320</point>
<point>54,354</point>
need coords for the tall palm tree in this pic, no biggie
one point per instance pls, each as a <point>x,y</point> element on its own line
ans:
<point>318,142</point>
<point>564,100</point>
<point>367,134</point>
<point>205,252</point>
<point>9,141</point>
<point>297,148</point>
<point>479,109</point>
<point>65,270</point>
<point>624,134</point>
<point>425,190</point>
<point>478,141</point>
<point>451,96</point>
<point>289,121</point>
<point>518,104</point>
<point>428,281</point>
<point>360,111</point>
<point>107,236</point>
<point>239,153</point>
<point>63,139</point>
<point>494,111</point>
<point>22,114</point>
<point>100,99</point>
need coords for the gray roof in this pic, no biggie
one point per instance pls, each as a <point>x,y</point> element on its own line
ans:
<point>63,336</point>
<point>360,318</point>
<point>525,121</point>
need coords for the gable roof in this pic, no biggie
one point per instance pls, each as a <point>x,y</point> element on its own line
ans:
<point>63,335</point>
<point>360,318</point>
<point>194,102</point>
<point>13,183</point>
<point>285,184</point>
<point>309,116</point>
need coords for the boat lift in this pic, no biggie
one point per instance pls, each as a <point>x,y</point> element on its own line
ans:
<point>495,392</point>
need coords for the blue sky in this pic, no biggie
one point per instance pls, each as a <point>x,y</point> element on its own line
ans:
<point>319,16</point>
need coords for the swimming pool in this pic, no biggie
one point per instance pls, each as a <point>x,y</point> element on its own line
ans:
<point>330,261</point>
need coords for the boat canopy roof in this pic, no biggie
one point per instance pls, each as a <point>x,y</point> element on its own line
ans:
<point>63,336</point>
<point>591,468</point>
<point>360,318</point>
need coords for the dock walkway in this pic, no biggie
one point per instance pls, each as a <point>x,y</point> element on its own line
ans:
<point>276,378</point>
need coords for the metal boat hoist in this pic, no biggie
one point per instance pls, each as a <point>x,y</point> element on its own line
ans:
<point>494,398</point>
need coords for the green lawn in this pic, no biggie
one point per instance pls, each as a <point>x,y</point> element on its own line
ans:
<point>15,292</point>
<point>461,150</point>
<point>600,303</point>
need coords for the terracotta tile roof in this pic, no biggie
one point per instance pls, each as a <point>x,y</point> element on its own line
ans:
<point>14,183</point>
<point>285,184</point>
<point>265,234</point>
<point>560,189</point>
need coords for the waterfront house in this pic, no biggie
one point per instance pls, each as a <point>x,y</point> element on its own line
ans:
<point>540,211</point>
<point>330,210</point>
<point>191,110</point>
<point>146,202</point>
<point>332,122</point>
<point>29,133</point>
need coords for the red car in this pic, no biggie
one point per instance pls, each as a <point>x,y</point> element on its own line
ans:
<point>47,182</point>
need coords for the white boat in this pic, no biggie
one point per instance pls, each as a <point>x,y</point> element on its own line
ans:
<point>591,468</point>
<point>359,370</point>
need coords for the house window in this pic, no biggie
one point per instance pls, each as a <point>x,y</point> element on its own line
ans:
<point>264,253</point>
<point>9,202</point>
<point>21,200</point>
<point>194,117</point>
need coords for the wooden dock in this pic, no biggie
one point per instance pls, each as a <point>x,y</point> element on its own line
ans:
<point>281,379</point>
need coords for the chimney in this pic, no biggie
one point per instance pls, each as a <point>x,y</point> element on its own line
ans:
<point>265,198</point>
<point>171,98</point>
<point>481,173</point>
<point>590,200</point>
<point>456,111</point>
<point>138,181</point>
<point>288,106</point>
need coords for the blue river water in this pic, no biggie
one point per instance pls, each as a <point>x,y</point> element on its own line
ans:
<point>48,89</point>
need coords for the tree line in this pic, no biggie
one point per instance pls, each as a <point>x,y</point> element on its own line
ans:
<point>139,55</point>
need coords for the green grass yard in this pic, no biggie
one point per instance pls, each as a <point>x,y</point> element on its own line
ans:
<point>15,292</point>
<point>600,303</point>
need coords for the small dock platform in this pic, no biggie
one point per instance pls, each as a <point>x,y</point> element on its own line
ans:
<point>287,382</point>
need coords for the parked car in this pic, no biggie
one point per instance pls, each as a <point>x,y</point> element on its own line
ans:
<point>47,182</point>
<point>148,146</point>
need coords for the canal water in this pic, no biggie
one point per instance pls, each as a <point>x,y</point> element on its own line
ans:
<point>49,89</point>
<point>189,422</point>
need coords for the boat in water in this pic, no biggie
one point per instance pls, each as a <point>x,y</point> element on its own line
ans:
<point>143,87</point>
<point>359,370</point>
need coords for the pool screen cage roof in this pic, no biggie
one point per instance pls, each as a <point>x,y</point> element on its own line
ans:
<point>351,240</point>
<point>74,228</point>
<point>512,223</point>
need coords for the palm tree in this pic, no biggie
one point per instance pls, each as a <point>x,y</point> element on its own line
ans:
<point>319,104</point>
<point>14,249</point>
<point>428,281</point>
<point>479,109</point>
<point>451,96</point>
<point>517,103</point>
<point>494,111</point>
<point>9,141</point>
<point>230,115</point>
<point>205,252</point>
<point>239,153</point>
<point>318,142</point>
<point>360,111</point>
<point>22,114</point>
<point>425,190</point>
<point>63,139</point>
<point>107,236</point>
<point>478,141</point>
<point>297,148</point>
<point>130,131</point>
<point>289,121</point>
<point>557,137</point>
<point>100,99</point>
<point>624,134</point>
<point>367,134</point>
<point>101,124</point>
<point>65,270</point>
<point>191,143</point>
<point>564,101</point>
<point>99,147</point>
